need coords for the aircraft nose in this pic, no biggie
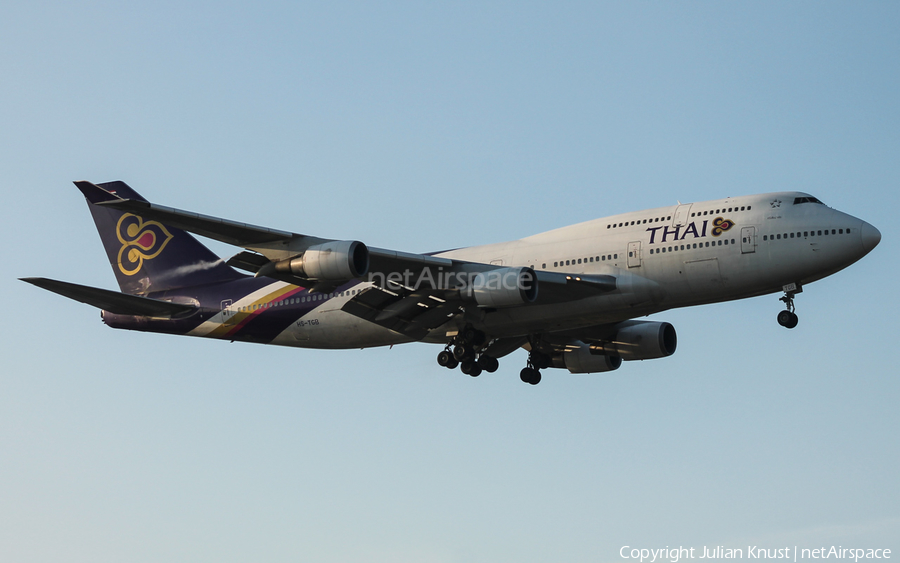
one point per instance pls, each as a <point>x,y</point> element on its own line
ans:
<point>870,236</point>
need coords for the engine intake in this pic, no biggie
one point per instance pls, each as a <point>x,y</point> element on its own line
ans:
<point>503,287</point>
<point>639,340</point>
<point>331,261</point>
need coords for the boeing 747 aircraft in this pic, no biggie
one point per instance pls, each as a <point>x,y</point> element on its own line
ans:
<point>570,296</point>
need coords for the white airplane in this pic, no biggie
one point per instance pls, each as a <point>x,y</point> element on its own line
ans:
<point>568,296</point>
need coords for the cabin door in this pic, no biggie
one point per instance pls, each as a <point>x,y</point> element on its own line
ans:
<point>748,240</point>
<point>634,254</point>
<point>227,311</point>
<point>682,214</point>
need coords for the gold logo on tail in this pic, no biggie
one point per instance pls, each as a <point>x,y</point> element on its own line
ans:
<point>141,240</point>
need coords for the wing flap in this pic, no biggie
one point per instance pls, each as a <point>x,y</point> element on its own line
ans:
<point>413,314</point>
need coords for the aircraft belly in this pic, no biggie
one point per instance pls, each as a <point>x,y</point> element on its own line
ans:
<point>548,318</point>
<point>331,328</point>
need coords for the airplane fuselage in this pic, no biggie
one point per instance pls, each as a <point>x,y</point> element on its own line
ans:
<point>662,258</point>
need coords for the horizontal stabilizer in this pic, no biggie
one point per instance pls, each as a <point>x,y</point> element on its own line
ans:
<point>113,301</point>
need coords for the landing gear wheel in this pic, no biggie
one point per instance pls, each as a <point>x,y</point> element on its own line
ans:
<point>788,319</point>
<point>473,336</point>
<point>463,352</point>
<point>445,358</point>
<point>470,368</point>
<point>530,375</point>
<point>488,363</point>
<point>539,360</point>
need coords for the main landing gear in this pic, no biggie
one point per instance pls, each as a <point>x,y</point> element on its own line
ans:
<point>531,373</point>
<point>787,318</point>
<point>462,351</point>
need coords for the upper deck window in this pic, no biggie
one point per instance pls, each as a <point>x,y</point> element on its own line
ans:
<point>799,200</point>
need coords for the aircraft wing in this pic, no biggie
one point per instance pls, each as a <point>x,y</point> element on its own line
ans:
<point>274,244</point>
<point>113,301</point>
<point>405,308</point>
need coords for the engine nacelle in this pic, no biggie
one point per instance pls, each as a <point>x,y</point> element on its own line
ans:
<point>331,261</point>
<point>502,287</point>
<point>577,358</point>
<point>639,340</point>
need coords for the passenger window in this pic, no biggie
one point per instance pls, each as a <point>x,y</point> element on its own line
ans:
<point>832,231</point>
<point>604,258</point>
<point>597,259</point>
<point>682,247</point>
<point>579,260</point>
<point>748,208</point>
<point>841,231</point>
<point>616,256</point>
<point>591,259</point>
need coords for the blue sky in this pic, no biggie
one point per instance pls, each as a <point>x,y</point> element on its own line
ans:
<point>424,126</point>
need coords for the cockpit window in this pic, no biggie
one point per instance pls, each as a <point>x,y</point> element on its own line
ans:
<point>799,200</point>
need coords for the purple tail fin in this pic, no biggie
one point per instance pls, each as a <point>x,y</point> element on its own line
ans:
<point>148,256</point>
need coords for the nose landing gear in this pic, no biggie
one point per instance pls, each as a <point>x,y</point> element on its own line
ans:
<point>787,318</point>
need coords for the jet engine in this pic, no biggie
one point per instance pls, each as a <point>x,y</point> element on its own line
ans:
<point>579,358</point>
<point>502,287</point>
<point>639,340</point>
<point>334,261</point>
